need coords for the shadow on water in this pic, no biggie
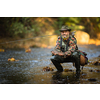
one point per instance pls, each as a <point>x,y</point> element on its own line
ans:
<point>12,78</point>
<point>8,76</point>
<point>66,78</point>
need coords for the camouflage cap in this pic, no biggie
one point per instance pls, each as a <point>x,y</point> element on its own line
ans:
<point>65,28</point>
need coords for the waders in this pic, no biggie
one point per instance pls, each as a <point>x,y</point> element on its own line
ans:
<point>73,58</point>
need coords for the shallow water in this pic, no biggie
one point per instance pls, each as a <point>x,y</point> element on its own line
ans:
<point>28,70</point>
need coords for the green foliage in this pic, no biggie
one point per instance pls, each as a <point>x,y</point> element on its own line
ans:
<point>23,26</point>
<point>72,22</point>
<point>19,28</point>
<point>16,26</point>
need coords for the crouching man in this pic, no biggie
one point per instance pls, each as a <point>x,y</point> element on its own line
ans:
<point>66,50</point>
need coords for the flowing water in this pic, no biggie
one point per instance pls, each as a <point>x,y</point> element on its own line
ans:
<point>28,68</point>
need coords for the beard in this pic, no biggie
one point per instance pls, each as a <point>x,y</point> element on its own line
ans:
<point>65,37</point>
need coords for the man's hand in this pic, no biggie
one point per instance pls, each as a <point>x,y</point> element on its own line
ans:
<point>54,52</point>
<point>60,53</point>
<point>57,53</point>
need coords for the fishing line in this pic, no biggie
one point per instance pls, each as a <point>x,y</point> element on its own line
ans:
<point>26,39</point>
<point>33,38</point>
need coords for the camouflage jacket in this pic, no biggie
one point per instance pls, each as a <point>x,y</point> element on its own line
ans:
<point>71,46</point>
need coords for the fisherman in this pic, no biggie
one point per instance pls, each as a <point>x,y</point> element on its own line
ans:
<point>66,50</point>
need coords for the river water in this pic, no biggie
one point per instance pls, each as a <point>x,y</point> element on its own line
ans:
<point>28,68</point>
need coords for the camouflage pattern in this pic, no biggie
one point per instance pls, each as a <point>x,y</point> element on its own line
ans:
<point>65,28</point>
<point>71,47</point>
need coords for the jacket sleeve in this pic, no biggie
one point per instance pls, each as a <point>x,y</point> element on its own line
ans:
<point>57,47</point>
<point>72,46</point>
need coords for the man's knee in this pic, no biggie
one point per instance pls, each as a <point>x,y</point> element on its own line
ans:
<point>75,55</point>
<point>56,58</point>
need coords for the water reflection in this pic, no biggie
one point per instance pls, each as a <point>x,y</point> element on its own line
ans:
<point>65,78</point>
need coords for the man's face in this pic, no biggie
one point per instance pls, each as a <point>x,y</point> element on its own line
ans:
<point>65,33</point>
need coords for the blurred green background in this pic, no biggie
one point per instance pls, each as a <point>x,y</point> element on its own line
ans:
<point>13,28</point>
<point>22,26</point>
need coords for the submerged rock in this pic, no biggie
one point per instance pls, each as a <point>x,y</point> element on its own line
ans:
<point>91,70</point>
<point>99,56</point>
<point>68,70</point>
<point>94,70</point>
<point>97,70</point>
<point>83,75</point>
<point>47,69</point>
<point>96,62</point>
<point>92,79</point>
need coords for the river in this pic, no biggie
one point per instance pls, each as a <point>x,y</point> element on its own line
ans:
<point>28,68</point>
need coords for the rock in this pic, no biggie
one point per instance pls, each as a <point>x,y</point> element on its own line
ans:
<point>28,50</point>
<point>2,50</point>
<point>92,79</point>
<point>97,63</point>
<point>47,69</point>
<point>12,59</point>
<point>83,75</point>
<point>99,56</point>
<point>51,69</point>
<point>97,70</point>
<point>82,37</point>
<point>68,70</point>
<point>91,70</point>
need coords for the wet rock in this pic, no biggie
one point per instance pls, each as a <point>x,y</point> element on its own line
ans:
<point>42,79</point>
<point>12,59</point>
<point>97,70</point>
<point>96,62</point>
<point>28,50</point>
<point>68,70</point>
<point>47,69</point>
<point>99,56</point>
<point>83,75</point>
<point>91,70</point>
<point>92,79</point>
<point>2,50</point>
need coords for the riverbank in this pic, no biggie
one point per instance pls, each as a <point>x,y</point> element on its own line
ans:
<point>44,42</point>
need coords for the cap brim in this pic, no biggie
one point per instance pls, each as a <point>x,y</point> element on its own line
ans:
<point>65,30</point>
